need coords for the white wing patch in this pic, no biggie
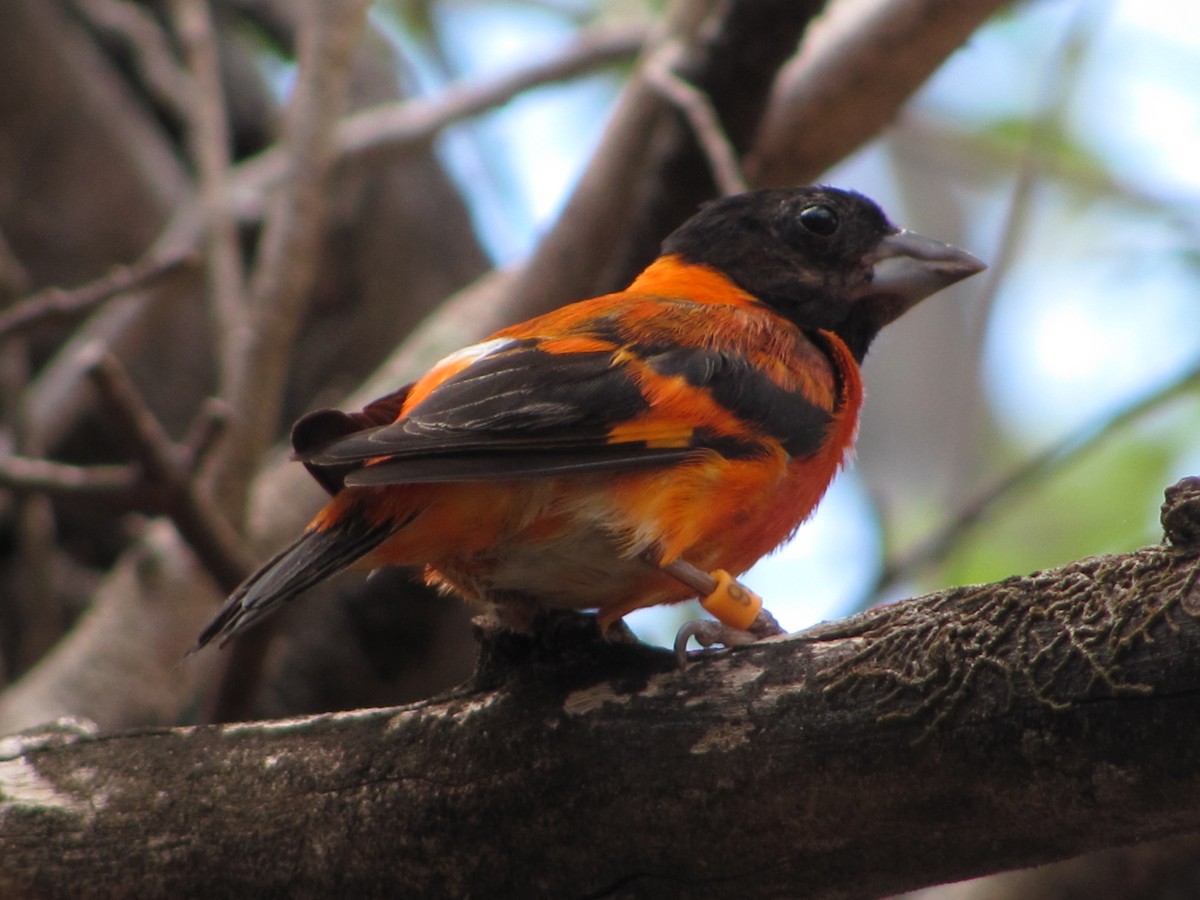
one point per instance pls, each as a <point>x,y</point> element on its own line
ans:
<point>474,352</point>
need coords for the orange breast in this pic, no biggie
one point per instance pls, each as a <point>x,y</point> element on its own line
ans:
<point>722,513</point>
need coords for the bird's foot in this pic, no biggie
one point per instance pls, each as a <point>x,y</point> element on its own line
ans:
<point>739,611</point>
<point>711,633</point>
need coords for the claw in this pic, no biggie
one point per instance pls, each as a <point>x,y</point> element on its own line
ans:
<point>739,611</point>
<point>708,633</point>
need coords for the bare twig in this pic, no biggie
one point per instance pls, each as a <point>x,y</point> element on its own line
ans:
<point>151,49</point>
<point>209,146</point>
<point>279,289</point>
<point>701,116</point>
<point>422,119</point>
<point>206,431</point>
<point>169,472</point>
<point>55,303</point>
<point>289,247</point>
<point>134,422</point>
<point>55,479</point>
<point>1036,469</point>
<point>1061,75</point>
<point>397,125</point>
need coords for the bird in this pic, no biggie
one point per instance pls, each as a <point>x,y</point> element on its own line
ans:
<point>639,448</point>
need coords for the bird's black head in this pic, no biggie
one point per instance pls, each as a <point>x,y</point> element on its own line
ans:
<point>821,257</point>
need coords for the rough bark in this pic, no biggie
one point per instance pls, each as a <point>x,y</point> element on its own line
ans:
<point>977,729</point>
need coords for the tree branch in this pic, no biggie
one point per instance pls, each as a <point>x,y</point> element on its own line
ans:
<point>852,76</point>
<point>649,173</point>
<point>169,472</point>
<point>288,249</point>
<point>137,28</point>
<point>54,303</point>
<point>121,662</point>
<point>408,122</point>
<point>961,524</point>
<point>701,116</point>
<point>23,473</point>
<point>209,145</point>
<point>1001,725</point>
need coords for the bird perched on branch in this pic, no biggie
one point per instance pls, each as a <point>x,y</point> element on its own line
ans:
<point>638,448</point>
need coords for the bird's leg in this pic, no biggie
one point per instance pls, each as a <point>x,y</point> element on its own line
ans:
<point>507,611</point>
<point>740,617</point>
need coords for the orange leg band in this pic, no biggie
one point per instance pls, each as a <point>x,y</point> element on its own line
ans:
<point>727,600</point>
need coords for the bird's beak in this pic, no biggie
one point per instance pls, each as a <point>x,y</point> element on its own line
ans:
<point>907,267</point>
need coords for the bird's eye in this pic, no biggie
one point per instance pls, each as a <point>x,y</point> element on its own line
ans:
<point>820,220</point>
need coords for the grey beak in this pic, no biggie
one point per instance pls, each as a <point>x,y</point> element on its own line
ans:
<point>907,267</point>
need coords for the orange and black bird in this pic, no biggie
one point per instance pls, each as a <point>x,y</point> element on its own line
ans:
<point>638,448</point>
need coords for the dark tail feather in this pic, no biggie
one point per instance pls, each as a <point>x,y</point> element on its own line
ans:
<point>313,557</point>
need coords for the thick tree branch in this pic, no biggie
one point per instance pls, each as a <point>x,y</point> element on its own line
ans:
<point>852,76</point>
<point>121,662</point>
<point>649,173</point>
<point>977,729</point>
<point>702,118</point>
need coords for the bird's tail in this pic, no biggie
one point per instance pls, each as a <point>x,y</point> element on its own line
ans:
<point>316,555</point>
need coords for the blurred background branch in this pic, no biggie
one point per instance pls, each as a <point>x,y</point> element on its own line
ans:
<point>288,205</point>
